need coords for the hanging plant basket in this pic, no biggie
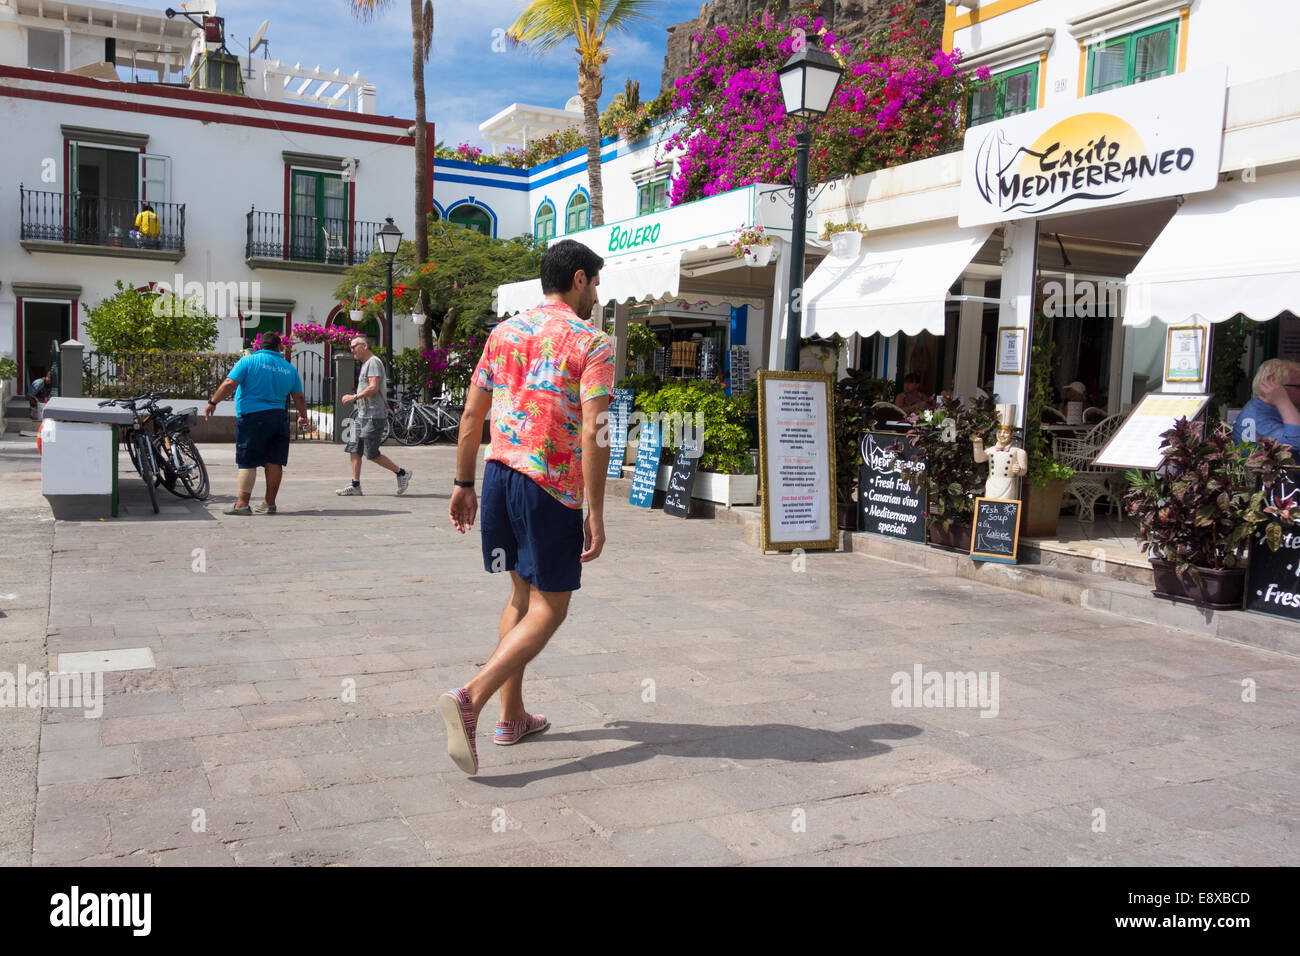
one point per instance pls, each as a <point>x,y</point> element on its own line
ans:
<point>356,316</point>
<point>418,318</point>
<point>846,244</point>
<point>759,255</point>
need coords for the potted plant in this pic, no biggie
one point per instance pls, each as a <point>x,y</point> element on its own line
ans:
<point>1047,480</point>
<point>854,396</point>
<point>726,470</point>
<point>8,370</point>
<point>845,238</point>
<point>942,436</point>
<point>754,246</point>
<point>1197,512</point>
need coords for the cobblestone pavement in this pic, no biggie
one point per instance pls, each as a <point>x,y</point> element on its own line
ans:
<point>709,705</point>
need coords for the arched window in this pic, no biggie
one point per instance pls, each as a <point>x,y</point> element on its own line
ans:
<point>472,217</point>
<point>436,214</point>
<point>544,225</point>
<point>578,216</point>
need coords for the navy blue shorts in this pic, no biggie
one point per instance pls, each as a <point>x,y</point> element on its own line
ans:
<point>262,438</point>
<point>527,531</point>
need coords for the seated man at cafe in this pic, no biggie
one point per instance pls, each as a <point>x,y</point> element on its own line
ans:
<point>911,398</point>
<point>1272,411</point>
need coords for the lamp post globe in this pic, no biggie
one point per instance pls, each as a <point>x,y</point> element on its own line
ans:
<point>808,80</point>
<point>390,237</point>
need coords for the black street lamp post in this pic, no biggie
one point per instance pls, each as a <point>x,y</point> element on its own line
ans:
<point>390,237</point>
<point>809,80</point>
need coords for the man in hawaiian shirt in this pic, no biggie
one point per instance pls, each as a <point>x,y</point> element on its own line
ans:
<point>546,376</point>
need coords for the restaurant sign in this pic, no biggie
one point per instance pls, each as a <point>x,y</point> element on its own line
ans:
<point>1147,141</point>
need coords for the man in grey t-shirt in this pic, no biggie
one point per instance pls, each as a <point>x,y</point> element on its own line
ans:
<point>369,420</point>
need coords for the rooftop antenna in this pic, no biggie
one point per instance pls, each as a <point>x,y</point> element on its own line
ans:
<point>259,40</point>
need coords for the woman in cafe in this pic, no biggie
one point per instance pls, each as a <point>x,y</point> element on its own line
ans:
<point>911,398</point>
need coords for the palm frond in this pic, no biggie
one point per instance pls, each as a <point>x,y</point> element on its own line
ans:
<point>546,24</point>
<point>367,10</point>
<point>428,28</point>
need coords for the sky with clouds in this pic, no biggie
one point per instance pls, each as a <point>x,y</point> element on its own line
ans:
<point>466,81</point>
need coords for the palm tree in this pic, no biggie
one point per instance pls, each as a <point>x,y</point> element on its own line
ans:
<point>421,41</point>
<point>545,24</point>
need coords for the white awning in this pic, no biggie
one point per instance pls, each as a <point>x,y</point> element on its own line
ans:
<point>898,282</point>
<point>1233,250</point>
<point>650,277</point>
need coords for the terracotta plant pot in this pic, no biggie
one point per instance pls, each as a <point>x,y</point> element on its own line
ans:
<point>1222,590</point>
<point>1040,509</point>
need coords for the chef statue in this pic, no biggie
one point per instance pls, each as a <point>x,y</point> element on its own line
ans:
<point>1006,463</point>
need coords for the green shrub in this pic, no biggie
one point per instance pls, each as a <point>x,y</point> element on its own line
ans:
<point>726,439</point>
<point>132,321</point>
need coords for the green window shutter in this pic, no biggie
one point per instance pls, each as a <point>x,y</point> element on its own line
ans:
<point>1003,94</point>
<point>577,216</point>
<point>544,228</point>
<point>1137,57</point>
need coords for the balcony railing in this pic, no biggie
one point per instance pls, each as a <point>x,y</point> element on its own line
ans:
<point>318,239</point>
<point>86,220</point>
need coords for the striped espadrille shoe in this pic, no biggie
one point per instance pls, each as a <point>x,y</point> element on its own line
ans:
<point>513,731</point>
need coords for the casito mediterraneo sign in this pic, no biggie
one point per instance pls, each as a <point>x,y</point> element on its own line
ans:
<point>1146,141</point>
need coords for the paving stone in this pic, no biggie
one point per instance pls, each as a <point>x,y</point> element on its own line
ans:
<point>673,844</point>
<point>98,763</point>
<point>382,843</point>
<point>340,806</point>
<point>253,779</point>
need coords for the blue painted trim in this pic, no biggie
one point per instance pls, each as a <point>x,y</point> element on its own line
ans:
<point>573,153</point>
<point>471,201</point>
<point>493,167</point>
<point>555,221</point>
<point>442,215</point>
<point>479,181</point>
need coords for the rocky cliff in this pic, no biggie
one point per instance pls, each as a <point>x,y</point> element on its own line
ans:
<point>849,19</point>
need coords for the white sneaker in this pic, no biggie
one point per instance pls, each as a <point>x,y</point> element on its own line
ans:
<point>348,491</point>
<point>404,482</point>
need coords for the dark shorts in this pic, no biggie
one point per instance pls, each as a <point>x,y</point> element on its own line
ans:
<point>527,531</point>
<point>367,434</point>
<point>262,438</point>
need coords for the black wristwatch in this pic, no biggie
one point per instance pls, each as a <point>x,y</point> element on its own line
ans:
<point>462,484</point>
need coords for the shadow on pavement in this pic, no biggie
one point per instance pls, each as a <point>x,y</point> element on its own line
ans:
<point>738,741</point>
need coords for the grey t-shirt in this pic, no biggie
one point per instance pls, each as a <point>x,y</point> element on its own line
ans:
<point>372,406</point>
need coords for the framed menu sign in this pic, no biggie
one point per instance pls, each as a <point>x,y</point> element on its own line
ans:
<point>1273,581</point>
<point>1137,443</point>
<point>1185,354</point>
<point>1011,351</point>
<point>996,534</point>
<point>797,460</point>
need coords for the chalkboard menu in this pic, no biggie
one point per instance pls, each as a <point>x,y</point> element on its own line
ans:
<point>620,413</point>
<point>1273,585</point>
<point>647,466</point>
<point>677,502</point>
<point>887,504</point>
<point>996,534</point>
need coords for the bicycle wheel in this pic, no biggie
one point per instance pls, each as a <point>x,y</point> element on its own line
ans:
<point>144,455</point>
<point>128,439</point>
<point>167,472</point>
<point>449,423</point>
<point>407,425</point>
<point>192,471</point>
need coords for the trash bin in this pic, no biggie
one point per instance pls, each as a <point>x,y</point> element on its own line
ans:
<point>78,443</point>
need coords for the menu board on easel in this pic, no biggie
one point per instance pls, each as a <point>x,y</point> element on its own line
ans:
<point>1137,443</point>
<point>681,482</point>
<point>646,473</point>
<point>797,460</point>
<point>620,413</point>
<point>995,535</point>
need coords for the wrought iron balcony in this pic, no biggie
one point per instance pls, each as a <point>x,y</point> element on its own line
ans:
<point>312,242</point>
<point>115,226</point>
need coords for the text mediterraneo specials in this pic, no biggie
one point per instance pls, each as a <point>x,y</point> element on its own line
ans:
<point>1150,141</point>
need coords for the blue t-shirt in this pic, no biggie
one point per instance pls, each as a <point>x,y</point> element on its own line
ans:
<point>265,381</point>
<point>1268,424</point>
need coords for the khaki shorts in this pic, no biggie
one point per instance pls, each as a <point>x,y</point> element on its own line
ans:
<point>367,433</point>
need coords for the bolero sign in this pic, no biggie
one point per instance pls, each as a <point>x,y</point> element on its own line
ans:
<point>1142,142</point>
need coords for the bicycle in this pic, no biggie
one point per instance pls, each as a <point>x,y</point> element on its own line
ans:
<point>413,423</point>
<point>161,449</point>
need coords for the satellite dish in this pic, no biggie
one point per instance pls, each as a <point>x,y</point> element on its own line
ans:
<point>574,105</point>
<point>257,37</point>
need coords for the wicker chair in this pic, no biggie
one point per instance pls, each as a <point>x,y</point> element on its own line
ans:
<point>1090,482</point>
<point>883,412</point>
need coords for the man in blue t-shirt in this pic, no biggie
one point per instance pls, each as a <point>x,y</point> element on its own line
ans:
<point>1274,409</point>
<point>261,382</point>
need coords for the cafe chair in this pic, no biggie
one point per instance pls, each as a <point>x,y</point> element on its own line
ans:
<point>1092,416</point>
<point>884,412</point>
<point>1090,482</point>
<point>1052,417</point>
